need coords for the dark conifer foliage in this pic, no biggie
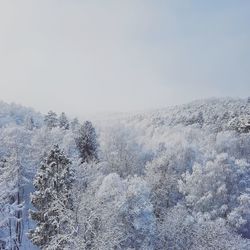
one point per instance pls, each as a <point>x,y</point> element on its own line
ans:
<point>51,120</point>
<point>63,121</point>
<point>52,201</point>
<point>86,142</point>
<point>74,125</point>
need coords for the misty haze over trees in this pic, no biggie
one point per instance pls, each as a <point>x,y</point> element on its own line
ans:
<point>175,178</point>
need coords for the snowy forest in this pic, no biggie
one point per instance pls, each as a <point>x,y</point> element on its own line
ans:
<point>173,178</point>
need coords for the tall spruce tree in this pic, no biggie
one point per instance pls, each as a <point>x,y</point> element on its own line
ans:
<point>51,120</point>
<point>53,203</point>
<point>86,142</point>
<point>63,121</point>
<point>74,125</point>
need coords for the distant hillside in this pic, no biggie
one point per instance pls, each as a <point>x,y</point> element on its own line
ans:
<point>17,114</point>
<point>216,114</point>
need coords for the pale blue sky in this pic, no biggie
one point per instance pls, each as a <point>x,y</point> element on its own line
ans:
<point>93,56</point>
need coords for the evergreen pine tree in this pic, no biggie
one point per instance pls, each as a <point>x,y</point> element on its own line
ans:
<point>53,202</point>
<point>75,124</point>
<point>51,120</point>
<point>86,142</point>
<point>63,121</point>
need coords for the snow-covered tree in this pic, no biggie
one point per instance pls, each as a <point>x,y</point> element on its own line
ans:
<point>137,215</point>
<point>214,190</point>
<point>74,125</point>
<point>53,202</point>
<point>239,217</point>
<point>63,121</point>
<point>29,123</point>
<point>16,141</point>
<point>175,229</point>
<point>116,214</point>
<point>122,151</point>
<point>240,124</point>
<point>179,229</point>
<point>11,227</point>
<point>162,179</point>
<point>86,142</point>
<point>51,120</point>
<point>210,235</point>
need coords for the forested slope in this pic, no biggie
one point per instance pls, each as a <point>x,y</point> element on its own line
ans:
<point>175,178</point>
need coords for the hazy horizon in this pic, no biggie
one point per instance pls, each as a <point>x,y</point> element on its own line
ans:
<point>86,57</point>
